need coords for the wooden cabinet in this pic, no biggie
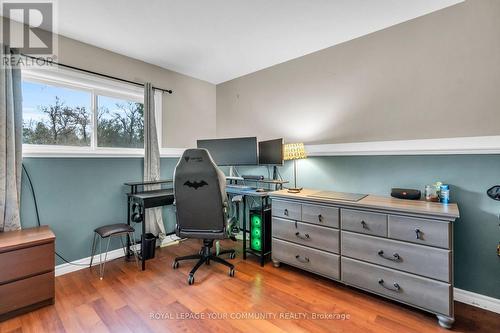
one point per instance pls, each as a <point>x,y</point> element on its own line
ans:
<point>398,249</point>
<point>26,270</point>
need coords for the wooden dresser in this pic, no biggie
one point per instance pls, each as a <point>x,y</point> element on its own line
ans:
<point>399,249</point>
<point>27,270</point>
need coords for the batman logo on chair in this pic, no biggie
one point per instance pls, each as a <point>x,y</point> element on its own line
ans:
<point>195,184</point>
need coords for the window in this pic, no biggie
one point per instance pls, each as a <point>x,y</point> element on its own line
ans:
<point>120,123</point>
<point>74,113</point>
<point>55,115</point>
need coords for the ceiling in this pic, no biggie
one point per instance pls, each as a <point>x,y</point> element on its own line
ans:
<point>219,40</point>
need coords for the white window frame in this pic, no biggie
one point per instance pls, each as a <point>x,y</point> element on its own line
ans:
<point>95,86</point>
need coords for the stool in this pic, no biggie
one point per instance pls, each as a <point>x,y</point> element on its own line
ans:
<point>109,231</point>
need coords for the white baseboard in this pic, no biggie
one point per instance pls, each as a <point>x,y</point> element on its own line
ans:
<point>83,263</point>
<point>477,300</point>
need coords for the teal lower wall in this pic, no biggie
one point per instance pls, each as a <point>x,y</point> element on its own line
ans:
<point>477,232</point>
<point>77,195</point>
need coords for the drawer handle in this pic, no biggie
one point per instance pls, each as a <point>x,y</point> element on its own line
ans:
<point>304,260</point>
<point>395,284</point>
<point>418,233</point>
<point>395,256</point>
<point>306,236</point>
<point>285,212</point>
<point>320,218</point>
<point>364,225</point>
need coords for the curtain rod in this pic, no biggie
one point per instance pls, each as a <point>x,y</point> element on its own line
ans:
<point>99,74</point>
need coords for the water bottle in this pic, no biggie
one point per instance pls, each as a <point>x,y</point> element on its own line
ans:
<point>444,194</point>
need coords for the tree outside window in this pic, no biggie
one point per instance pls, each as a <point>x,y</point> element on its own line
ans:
<point>54,115</point>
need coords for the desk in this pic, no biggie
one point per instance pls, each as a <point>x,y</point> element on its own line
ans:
<point>264,203</point>
<point>146,200</point>
<point>278,184</point>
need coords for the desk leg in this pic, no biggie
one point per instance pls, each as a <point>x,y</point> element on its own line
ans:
<point>244,227</point>
<point>262,257</point>
<point>143,260</point>
<point>128,222</point>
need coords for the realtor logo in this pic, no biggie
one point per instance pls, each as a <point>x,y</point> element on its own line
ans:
<point>29,27</point>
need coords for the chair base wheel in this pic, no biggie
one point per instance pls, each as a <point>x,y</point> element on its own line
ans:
<point>207,257</point>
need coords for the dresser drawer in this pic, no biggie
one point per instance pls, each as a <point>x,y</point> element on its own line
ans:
<point>424,293</point>
<point>364,222</point>
<point>287,209</point>
<point>18,294</point>
<point>422,260</point>
<point>420,231</point>
<point>320,262</point>
<point>326,239</point>
<point>321,215</point>
<point>26,262</point>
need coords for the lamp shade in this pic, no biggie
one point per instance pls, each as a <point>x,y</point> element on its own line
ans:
<point>294,151</point>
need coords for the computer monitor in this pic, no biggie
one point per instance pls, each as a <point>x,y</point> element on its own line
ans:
<point>232,152</point>
<point>271,152</point>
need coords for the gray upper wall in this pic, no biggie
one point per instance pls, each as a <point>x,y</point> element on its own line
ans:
<point>432,77</point>
<point>188,113</point>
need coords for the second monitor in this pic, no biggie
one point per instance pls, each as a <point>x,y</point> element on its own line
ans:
<point>271,152</point>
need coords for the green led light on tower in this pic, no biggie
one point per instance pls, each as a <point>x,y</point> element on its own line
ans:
<point>256,221</point>
<point>256,232</point>
<point>256,244</point>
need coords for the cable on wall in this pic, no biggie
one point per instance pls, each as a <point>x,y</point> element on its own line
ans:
<point>38,214</point>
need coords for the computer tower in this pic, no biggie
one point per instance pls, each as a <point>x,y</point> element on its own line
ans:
<point>260,230</point>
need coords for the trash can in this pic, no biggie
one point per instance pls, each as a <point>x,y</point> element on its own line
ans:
<point>148,245</point>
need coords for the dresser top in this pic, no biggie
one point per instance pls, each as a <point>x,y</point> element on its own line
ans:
<point>380,203</point>
<point>12,240</point>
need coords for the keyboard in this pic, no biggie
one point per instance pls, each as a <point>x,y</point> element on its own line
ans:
<point>239,186</point>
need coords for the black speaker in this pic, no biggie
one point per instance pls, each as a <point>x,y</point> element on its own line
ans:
<point>405,193</point>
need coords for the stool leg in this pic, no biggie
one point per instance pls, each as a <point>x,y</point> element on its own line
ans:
<point>92,250</point>
<point>105,257</point>
<point>100,257</point>
<point>123,245</point>
<point>131,236</point>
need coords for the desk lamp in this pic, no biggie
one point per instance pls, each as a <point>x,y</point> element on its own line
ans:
<point>294,151</point>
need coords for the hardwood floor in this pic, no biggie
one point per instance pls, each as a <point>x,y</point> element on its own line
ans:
<point>160,300</point>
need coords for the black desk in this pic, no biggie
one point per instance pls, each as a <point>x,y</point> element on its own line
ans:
<point>145,200</point>
<point>156,198</point>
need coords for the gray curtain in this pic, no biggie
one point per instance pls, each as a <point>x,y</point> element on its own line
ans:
<point>153,217</point>
<point>11,120</point>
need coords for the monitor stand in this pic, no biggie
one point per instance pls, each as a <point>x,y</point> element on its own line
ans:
<point>275,173</point>
<point>233,174</point>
